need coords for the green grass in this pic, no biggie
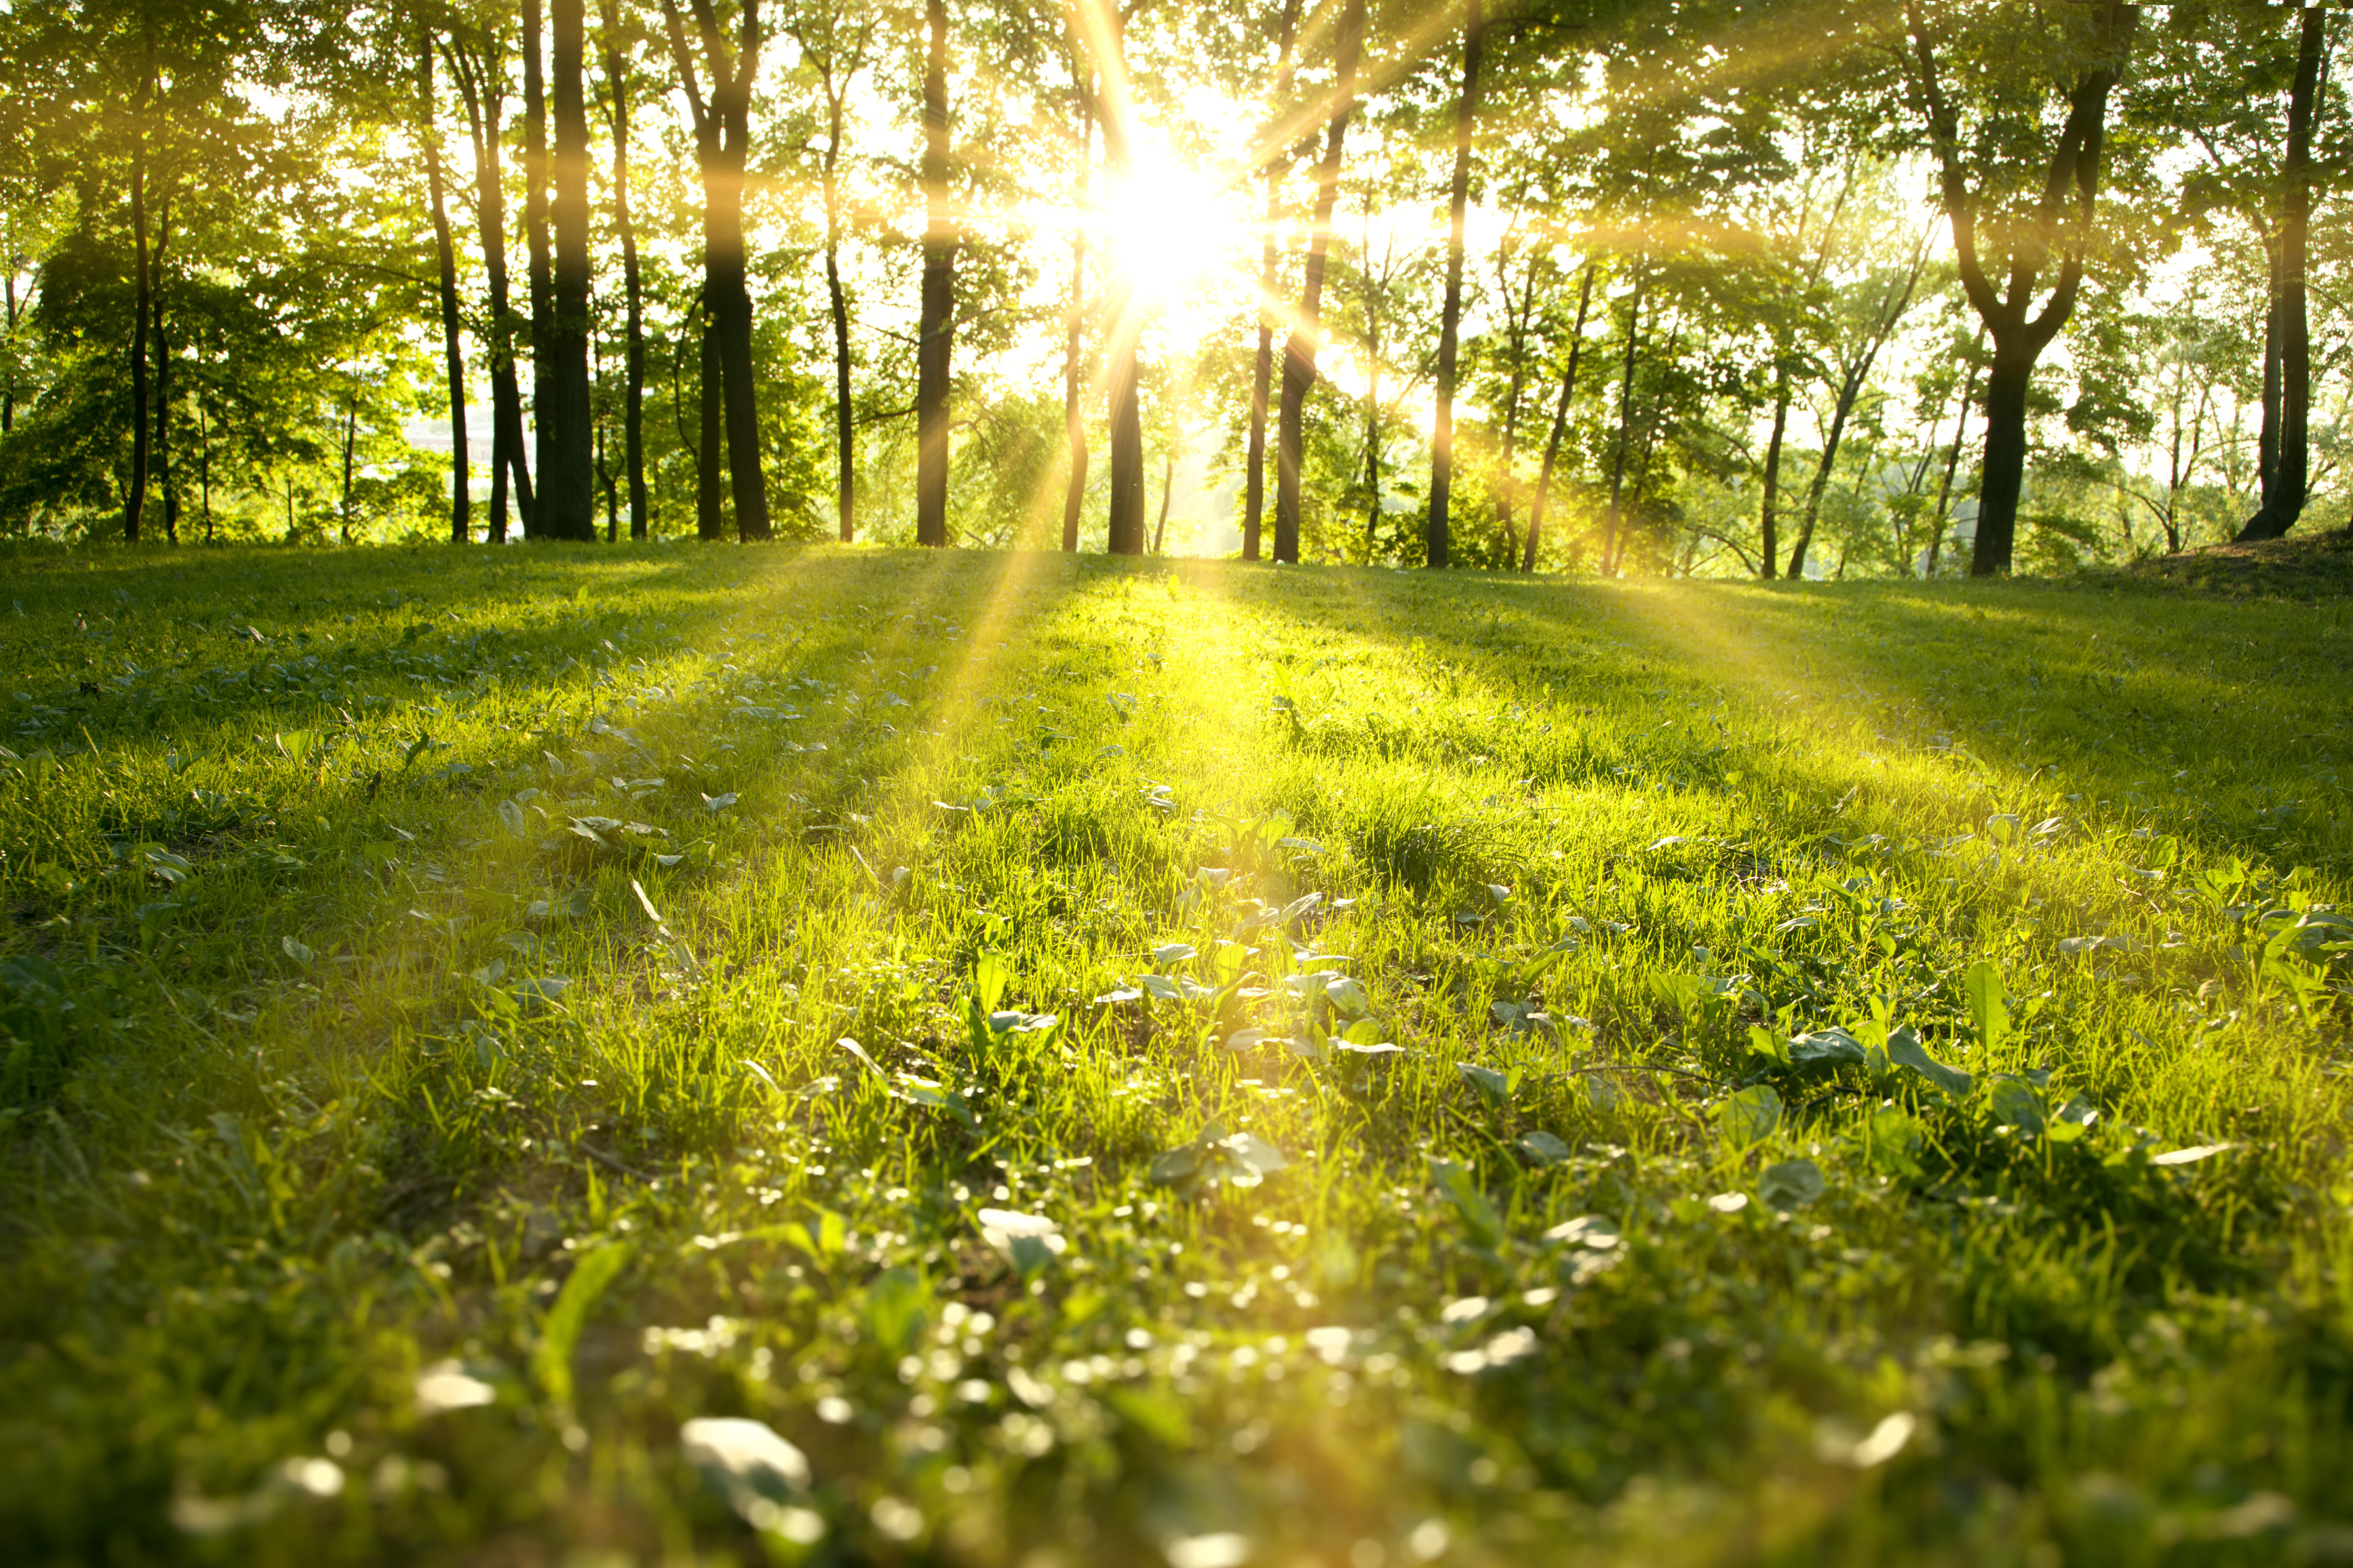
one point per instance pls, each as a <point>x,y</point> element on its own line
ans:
<point>424,976</point>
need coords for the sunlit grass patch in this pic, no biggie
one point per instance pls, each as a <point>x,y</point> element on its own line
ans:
<point>1097,1058</point>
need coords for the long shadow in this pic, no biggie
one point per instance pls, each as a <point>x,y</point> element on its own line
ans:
<point>2194,709</point>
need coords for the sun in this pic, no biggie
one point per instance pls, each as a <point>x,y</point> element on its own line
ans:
<point>1170,225</point>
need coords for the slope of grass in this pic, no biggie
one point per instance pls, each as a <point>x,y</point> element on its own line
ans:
<point>1129,1063</point>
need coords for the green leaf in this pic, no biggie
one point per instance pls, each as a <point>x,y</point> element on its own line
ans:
<point>1749,1116</point>
<point>1462,1190</point>
<point>1491,1083</point>
<point>559,1335</point>
<point>1543,1148</point>
<point>2015,1104</point>
<point>1891,1142</point>
<point>990,976</point>
<point>296,950</point>
<point>1904,1049</point>
<point>2074,1120</point>
<point>1982,984</point>
<point>1792,1184</point>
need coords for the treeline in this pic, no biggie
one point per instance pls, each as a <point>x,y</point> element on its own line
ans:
<point>1706,286</point>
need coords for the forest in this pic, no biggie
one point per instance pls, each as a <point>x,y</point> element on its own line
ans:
<point>1295,784</point>
<point>1720,289</point>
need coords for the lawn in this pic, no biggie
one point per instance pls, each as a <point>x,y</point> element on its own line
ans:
<point>675,1055</point>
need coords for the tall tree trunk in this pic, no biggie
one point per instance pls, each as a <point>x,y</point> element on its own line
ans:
<point>1278,164</point>
<point>160,454</point>
<point>2019,338</point>
<point>1506,498</point>
<point>478,79</point>
<point>1952,462</point>
<point>1374,295</point>
<point>1611,544</point>
<point>710,470</point>
<point>350,441</point>
<point>446,258</point>
<point>567,479</point>
<point>738,369</point>
<point>8,386</point>
<point>936,328</point>
<point>633,407</point>
<point>537,263</point>
<point>1768,516</point>
<point>1123,309</point>
<point>204,465</point>
<point>1167,488</point>
<point>1074,418</point>
<point>134,498</point>
<point>1450,322</point>
<point>2284,495</point>
<point>1857,371</point>
<point>1299,346</point>
<point>2007,380</point>
<point>845,423</point>
<point>1559,423</point>
<point>722,145</point>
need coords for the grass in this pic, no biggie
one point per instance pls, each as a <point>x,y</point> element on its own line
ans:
<point>1350,1068</point>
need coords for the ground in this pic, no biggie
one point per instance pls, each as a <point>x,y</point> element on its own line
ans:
<point>1133,1062</point>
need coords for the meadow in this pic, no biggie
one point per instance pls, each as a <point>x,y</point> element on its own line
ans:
<point>712,1055</point>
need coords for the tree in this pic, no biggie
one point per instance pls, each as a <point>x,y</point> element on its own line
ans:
<point>838,49</point>
<point>566,472</point>
<point>721,120</point>
<point>936,328</point>
<point>446,266</point>
<point>1299,346</point>
<point>618,84</point>
<point>2089,40</point>
<point>1123,307</point>
<point>1279,139</point>
<point>2289,325</point>
<point>1441,460</point>
<point>480,70</point>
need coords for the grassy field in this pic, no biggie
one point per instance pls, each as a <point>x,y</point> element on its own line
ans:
<point>1128,1063</point>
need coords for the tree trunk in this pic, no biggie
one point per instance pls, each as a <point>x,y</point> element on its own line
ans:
<point>617,75</point>
<point>1768,519</point>
<point>1372,297</point>
<point>8,386</point>
<point>160,454</point>
<point>1167,488</point>
<point>1074,418</point>
<point>1559,423</point>
<point>544,415</point>
<point>478,82</point>
<point>567,479</point>
<point>1277,162</point>
<point>2284,494</point>
<point>2020,339</point>
<point>2005,464</point>
<point>446,258</point>
<point>1508,455</point>
<point>1299,346</point>
<point>845,423</point>
<point>351,440</point>
<point>1953,460</point>
<point>1609,537</point>
<point>134,498</point>
<point>1441,441</point>
<point>204,466</point>
<point>1123,309</point>
<point>709,474</point>
<point>936,328</point>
